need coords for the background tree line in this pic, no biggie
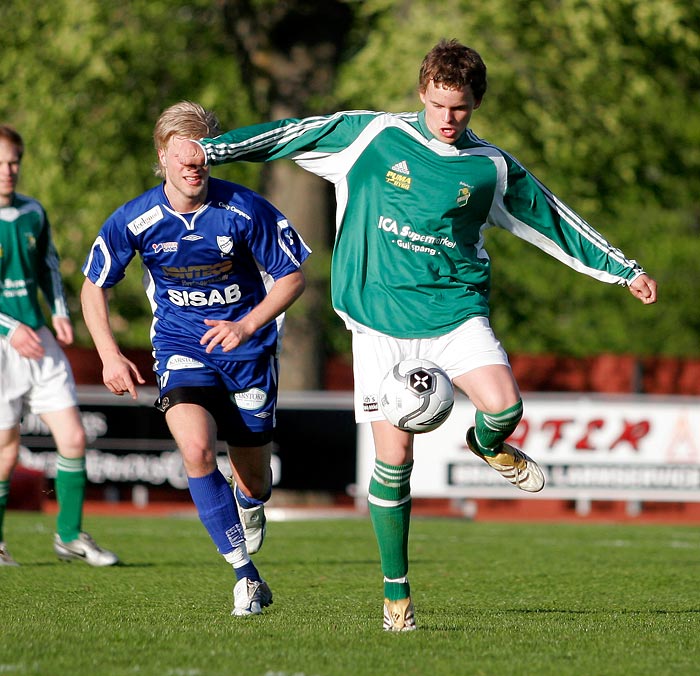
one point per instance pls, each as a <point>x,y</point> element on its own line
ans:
<point>598,99</point>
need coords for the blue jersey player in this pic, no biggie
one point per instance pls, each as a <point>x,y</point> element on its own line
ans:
<point>221,266</point>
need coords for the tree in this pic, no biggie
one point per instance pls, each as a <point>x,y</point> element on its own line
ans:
<point>83,82</point>
<point>289,67</point>
<point>599,100</point>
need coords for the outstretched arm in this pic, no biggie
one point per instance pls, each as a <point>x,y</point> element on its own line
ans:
<point>118,373</point>
<point>644,288</point>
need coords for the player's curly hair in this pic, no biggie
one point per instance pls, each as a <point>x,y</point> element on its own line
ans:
<point>13,137</point>
<point>186,119</point>
<point>452,65</point>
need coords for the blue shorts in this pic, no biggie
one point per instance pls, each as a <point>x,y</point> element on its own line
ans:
<point>241,396</point>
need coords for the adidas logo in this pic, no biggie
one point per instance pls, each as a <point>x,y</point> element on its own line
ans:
<point>401,168</point>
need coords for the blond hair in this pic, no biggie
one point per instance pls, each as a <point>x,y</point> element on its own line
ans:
<point>186,119</point>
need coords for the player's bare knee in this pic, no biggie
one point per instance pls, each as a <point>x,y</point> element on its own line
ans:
<point>198,459</point>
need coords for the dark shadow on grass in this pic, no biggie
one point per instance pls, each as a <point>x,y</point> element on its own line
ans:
<point>595,611</point>
<point>427,625</point>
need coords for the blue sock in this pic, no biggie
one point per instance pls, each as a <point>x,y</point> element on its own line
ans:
<point>249,571</point>
<point>246,502</point>
<point>212,496</point>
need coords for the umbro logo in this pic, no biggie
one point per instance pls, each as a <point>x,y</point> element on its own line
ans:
<point>401,168</point>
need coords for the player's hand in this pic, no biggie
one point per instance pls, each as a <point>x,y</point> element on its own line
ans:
<point>118,375</point>
<point>227,334</point>
<point>188,153</point>
<point>64,331</point>
<point>644,288</point>
<point>27,342</point>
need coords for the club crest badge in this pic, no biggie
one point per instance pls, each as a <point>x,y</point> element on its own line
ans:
<point>225,244</point>
<point>463,195</point>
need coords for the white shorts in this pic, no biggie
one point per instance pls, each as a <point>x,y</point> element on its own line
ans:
<point>469,346</point>
<point>28,385</point>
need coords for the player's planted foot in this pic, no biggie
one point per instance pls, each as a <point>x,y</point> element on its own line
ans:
<point>399,615</point>
<point>512,464</point>
<point>5,556</point>
<point>84,548</point>
<point>250,597</point>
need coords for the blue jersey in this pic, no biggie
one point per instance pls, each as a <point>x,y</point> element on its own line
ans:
<point>215,263</point>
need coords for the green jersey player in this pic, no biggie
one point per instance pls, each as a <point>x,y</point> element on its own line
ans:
<point>410,274</point>
<point>35,375</point>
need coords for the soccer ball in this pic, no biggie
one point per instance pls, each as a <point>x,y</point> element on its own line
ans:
<point>416,396</point>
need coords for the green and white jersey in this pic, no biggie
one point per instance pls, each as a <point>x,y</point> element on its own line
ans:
<point>28,262</point>
<point>409,258</point>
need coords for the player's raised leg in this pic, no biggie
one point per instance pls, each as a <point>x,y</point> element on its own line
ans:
<point>252,488</point>
<point>495,395</point>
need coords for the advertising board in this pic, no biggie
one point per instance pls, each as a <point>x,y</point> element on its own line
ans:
<point>604,447</point>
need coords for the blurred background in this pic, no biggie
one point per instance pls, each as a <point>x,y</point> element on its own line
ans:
<point>599,99</point>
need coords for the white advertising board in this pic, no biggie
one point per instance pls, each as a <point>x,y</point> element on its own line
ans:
<point>591,447</point>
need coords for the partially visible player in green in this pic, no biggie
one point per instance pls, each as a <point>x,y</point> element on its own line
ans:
<point>35,376</point>
<point>410,275</point>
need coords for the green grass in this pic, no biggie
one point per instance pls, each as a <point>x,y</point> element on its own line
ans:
<point>501,599</point>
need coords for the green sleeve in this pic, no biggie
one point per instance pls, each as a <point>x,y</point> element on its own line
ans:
<point>7,324</point>
<point>49,274</point>
<point>533,213</point>
<point>288,138</point>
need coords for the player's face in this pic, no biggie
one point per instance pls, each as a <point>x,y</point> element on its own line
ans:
<point>185,184</point>
<point>9,171</point>
<point>448,111</point>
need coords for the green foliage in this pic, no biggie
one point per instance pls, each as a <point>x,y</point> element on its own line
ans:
<point>491,599</point>
<point>83,82</point>
<point>599,100</point>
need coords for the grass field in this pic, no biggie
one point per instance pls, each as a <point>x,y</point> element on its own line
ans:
<point>490,599</point>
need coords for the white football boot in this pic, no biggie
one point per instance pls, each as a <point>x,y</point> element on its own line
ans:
<point>84,548</point>
<point>5,556</point>
<point>250,597</point>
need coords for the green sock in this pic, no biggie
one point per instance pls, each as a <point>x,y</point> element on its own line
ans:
<point>4,495</point>
<point>70,493</point>
<point>492,429</point>
<point>390,512</point>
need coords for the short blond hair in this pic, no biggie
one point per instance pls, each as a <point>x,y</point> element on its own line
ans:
<point>186,119</point>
